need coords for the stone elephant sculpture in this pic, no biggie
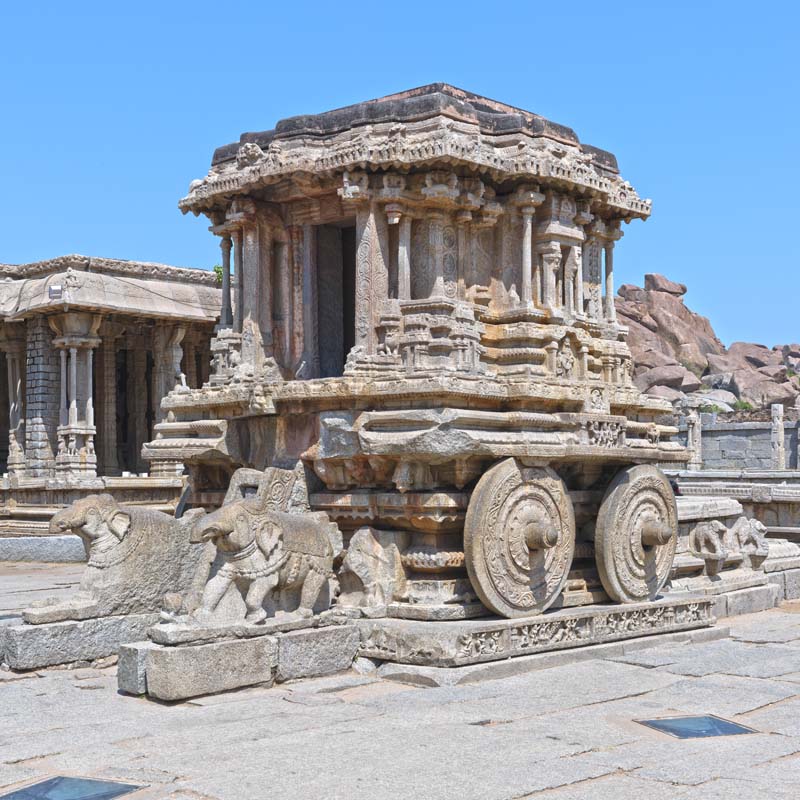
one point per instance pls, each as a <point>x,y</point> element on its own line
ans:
<point>135,557</point>
<point>709,541</point>
<point>283,560</point>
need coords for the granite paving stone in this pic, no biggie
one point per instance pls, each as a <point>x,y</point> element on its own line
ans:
<point>557,734</point>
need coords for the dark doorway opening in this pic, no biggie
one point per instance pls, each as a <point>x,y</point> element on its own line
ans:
<point>123,422</point>
<point>336,296</point>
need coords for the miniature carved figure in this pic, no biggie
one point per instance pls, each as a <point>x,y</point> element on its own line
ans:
<point>751,537</point>
<point>709,542</point>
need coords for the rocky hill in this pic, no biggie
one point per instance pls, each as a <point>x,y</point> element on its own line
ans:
<point>678,356</point>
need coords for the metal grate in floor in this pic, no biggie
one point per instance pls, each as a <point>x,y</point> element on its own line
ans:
<point>696,727</point>
<point>64,788</point>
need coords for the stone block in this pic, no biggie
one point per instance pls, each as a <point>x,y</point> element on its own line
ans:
<point>317,651</point>
<point>472,641</point>
<point>778,579</point>
<point>178,673</point>
<point>132,667</point>
<point>791,584</point>
<point>60,549</point>
<point>749,601</point>
<point>34,646</point>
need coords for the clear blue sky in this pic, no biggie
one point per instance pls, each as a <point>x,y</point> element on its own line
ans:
<point>108,115</point>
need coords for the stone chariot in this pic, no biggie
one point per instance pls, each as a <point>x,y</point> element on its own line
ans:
<point>421,314</point>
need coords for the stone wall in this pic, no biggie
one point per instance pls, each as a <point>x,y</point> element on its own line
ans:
<point>743,445</point>
<point>41,400</point>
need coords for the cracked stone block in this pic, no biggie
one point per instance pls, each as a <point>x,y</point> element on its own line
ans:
<point>318,651</point>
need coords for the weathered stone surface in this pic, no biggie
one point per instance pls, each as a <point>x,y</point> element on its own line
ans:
<point>178,673</point>
<point>35,646</point>
<point>720,396</point>
<point>666,393</point>
<point>665,335</point>
<point>670,376</point>
<point>132,667</point>
<point>756,355</point>
<point>497,670</point>
<point>658,283</point>
<point>136,557</point>
<point>474,641</point>
<point>791,587</point>
<point>53,549</point>
<point>319,651</point>
<point>749,601</point>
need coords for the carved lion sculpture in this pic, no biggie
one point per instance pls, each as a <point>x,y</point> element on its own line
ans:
<point>281,559</point>
<point>135,557</point>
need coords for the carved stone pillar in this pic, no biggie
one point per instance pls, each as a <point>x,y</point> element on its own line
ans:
<point>527,254</point>
<point>592,271</point>
<point>41,399</point>
<point>365,231</point>
<point>167,355</point>
<point>137,376</point>
<point>190,358</point>
<point>12,343</point>
<point>297,329</point>
<point>613,235</point>
<point>238,280</point>
<point>694,440</point>
<point>226,313</point>
<point>404,257</point>
<point>310,303</point>
<point>577,271</point>
<point>76,337</point>
<point>778,437</point>
<point>109,460</point>
<point>528,199</point>
<point>550,253</point>
<point>436,251</point>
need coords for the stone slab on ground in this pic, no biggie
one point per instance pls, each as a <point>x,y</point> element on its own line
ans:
<point>447,644</point>
<point>567,733</point>
<point>748,601</point>
<point>788,583</point>
<point>496,670</point>
<point>320,651</point>
<point>179,673</point>
<point>34,646</point>
<point>53,549</point>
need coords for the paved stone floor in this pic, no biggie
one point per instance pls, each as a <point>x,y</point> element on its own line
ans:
<point>23,582</point>
<point>562,734</point>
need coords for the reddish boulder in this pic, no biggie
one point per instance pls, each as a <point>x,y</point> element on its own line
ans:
<point>658,283</point>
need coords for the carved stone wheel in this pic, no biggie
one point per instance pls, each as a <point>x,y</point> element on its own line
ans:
<point>519,537</point>
<point>636,534</point>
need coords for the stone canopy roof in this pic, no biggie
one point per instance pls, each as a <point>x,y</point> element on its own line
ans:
<point>433,123</point>
<point>137,288</point>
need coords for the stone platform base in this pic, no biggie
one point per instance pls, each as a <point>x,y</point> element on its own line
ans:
<point>181,672</point>
<point>449,644</point>
<point>25,646</point>
<point>55,549</point>
<point>509,667</point>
